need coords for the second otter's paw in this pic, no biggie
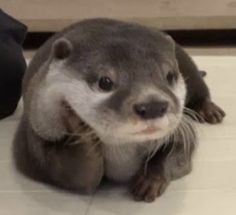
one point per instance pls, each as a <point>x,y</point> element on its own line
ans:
<point>148,187</point>
<point>211,113</point>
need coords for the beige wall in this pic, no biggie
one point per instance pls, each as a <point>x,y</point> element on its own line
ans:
<point>52,15</point>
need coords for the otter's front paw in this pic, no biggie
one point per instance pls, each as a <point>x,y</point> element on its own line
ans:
<point>148,187</point>
<point>211,113</point>
<point>71,120</point>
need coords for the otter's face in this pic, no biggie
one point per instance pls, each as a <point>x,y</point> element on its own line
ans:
<point>126,94</point>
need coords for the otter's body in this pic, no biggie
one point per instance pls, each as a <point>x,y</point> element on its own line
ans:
<point>109,98</point>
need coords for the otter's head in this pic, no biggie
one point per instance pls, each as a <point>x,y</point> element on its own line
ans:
<point>127,88</point>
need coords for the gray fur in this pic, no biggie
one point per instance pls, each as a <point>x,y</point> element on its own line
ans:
<point>66,69</point>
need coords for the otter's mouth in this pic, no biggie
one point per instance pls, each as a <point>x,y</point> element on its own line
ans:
<point>151,127</point>
<point>147,131</point>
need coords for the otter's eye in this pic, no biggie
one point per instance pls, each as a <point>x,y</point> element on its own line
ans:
<point>171,77</point>
<point>105,84</point>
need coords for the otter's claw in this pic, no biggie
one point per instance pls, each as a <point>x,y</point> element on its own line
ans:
<point>147,188</point>
<point>211,113</point>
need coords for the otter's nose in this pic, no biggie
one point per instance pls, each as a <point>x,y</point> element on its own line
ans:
<point>151,110</point>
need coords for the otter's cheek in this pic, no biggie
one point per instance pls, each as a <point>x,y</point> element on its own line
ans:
<point>180,92</point>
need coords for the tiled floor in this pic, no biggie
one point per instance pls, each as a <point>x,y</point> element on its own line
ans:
<point>210,189</point>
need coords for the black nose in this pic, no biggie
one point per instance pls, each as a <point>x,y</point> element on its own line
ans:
<point>151,110</point>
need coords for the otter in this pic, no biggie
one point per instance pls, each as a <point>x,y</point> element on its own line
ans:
<point>110,99</point>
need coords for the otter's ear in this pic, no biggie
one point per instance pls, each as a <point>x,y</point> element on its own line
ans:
<point>61,49</point>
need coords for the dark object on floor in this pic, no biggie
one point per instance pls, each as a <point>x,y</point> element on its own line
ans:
<point>12,63</point>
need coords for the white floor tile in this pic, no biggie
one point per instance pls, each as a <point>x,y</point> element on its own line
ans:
<point>11,180</point>
<point>210,189</point>
<point>40,203</point>
<point>171,203</point>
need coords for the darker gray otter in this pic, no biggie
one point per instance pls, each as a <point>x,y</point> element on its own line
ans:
<point>105,98</point>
